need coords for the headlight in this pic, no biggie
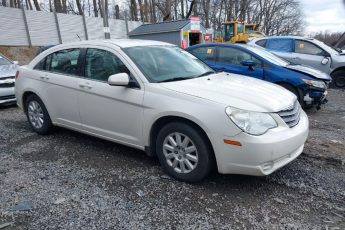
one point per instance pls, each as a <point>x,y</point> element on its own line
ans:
<point>254,123</point>
<point>316,84</point>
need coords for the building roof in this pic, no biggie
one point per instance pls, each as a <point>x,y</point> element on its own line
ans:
<point>167,26</point>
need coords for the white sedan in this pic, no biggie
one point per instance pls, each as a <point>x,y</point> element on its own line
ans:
<point>156,97</point>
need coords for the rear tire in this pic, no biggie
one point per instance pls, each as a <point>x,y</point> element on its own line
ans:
<point>37,115</point>
<point>184,152</point>
<point>338,79</point>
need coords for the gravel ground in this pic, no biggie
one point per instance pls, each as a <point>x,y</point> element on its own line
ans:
<point>69,180</point>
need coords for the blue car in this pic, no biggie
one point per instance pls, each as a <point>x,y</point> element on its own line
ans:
<point>308,84</point>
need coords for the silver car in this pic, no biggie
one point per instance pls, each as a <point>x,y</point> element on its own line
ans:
<point>307,51</point>
<point>8,70</point>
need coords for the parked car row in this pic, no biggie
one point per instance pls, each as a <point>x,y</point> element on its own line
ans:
<point>308,84</point>
<point>8,70</point>
<point>307,51</point>
<point>156,97</point>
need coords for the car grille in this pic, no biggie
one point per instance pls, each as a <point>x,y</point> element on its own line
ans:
<point>291,115</point>
<point>7,82</point>
<point>7,97</point>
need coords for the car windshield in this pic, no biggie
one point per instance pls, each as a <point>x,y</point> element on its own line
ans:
<point>4,61</point>
<point>269,56</point>
<point>167,63</point>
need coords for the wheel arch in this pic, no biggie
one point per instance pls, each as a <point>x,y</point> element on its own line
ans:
<point>338,69</point>
<point>27,93</point>
<point>162,121</point>
<point>299,90</point>
<point>25,97</point>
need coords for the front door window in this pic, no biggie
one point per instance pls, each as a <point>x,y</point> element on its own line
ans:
<point>100,64</point>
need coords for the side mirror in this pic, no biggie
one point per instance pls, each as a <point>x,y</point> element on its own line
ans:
<point>325,61</point>
<point>119,79</point>
<point>248,63</point>
<point>16,62</point>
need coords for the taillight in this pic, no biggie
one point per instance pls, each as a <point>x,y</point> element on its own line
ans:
<point>17,74</point>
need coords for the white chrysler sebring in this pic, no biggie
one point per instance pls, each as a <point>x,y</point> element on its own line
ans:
<point>158,98</point>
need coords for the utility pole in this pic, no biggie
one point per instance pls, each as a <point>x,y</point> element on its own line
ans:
<point>105,21</point>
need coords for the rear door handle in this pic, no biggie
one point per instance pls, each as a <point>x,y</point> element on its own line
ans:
<point>44,77</point>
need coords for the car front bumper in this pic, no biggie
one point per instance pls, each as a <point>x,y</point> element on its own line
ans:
<point>7,95</point>
<point>261,155</point>
<point>314,97</point>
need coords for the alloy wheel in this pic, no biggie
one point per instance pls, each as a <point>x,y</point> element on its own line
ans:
<point>35,114</point>
<point>180,152</point>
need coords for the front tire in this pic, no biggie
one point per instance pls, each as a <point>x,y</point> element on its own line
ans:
<point>37,115</point>
<point>184,152</point>
<point>338,79</point>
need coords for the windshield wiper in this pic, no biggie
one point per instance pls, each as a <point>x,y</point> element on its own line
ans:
<point>186,78</point>
<point>175,79</point>
<point>206,73</point>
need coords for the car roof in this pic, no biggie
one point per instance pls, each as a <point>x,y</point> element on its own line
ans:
<point>235,45</point>
<point>288,36</point>
<point>122,43</point>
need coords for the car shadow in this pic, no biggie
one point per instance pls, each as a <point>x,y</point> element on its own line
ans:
<point>8,106</point>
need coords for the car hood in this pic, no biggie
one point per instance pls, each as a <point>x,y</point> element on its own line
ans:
<point>237,91</point>
<point>8,70</point>
<point>310,71</point>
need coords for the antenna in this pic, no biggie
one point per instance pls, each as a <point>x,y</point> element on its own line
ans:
<point>78,37</point>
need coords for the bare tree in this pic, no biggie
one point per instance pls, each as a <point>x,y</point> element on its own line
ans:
<point>28,4</point>
<point>117,12</point>
<point>206,8</point>
<point>167,15</point>
<point>57,5</point>
<point>100,7</point>
<point>95,10</point>
<point>37,6</point>
<point>140,2</point>
<point>134,10</point>
<point>80,9</point>
<point>153,11</point>
<point>146,10</point>
<point>192,5</point>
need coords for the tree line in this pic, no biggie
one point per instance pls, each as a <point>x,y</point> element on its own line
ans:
<point>275,17</point>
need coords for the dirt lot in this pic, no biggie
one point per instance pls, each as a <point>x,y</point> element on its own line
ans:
<point>22,54</point>
<point>72,181</point>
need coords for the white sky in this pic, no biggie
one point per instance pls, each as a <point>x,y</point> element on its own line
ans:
<point>323,15</point>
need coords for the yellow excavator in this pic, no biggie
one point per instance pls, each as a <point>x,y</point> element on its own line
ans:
<point>238,32</point>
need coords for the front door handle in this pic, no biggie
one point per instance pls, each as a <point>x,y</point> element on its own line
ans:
<point>85,85</point>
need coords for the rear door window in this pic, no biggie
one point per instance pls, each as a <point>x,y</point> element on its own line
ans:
<point>281,45</point>
<point>65,61</point>
<point>41,65</point>
<point>204,53</point>
<point>44,64</point>
<point>304,47</point>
